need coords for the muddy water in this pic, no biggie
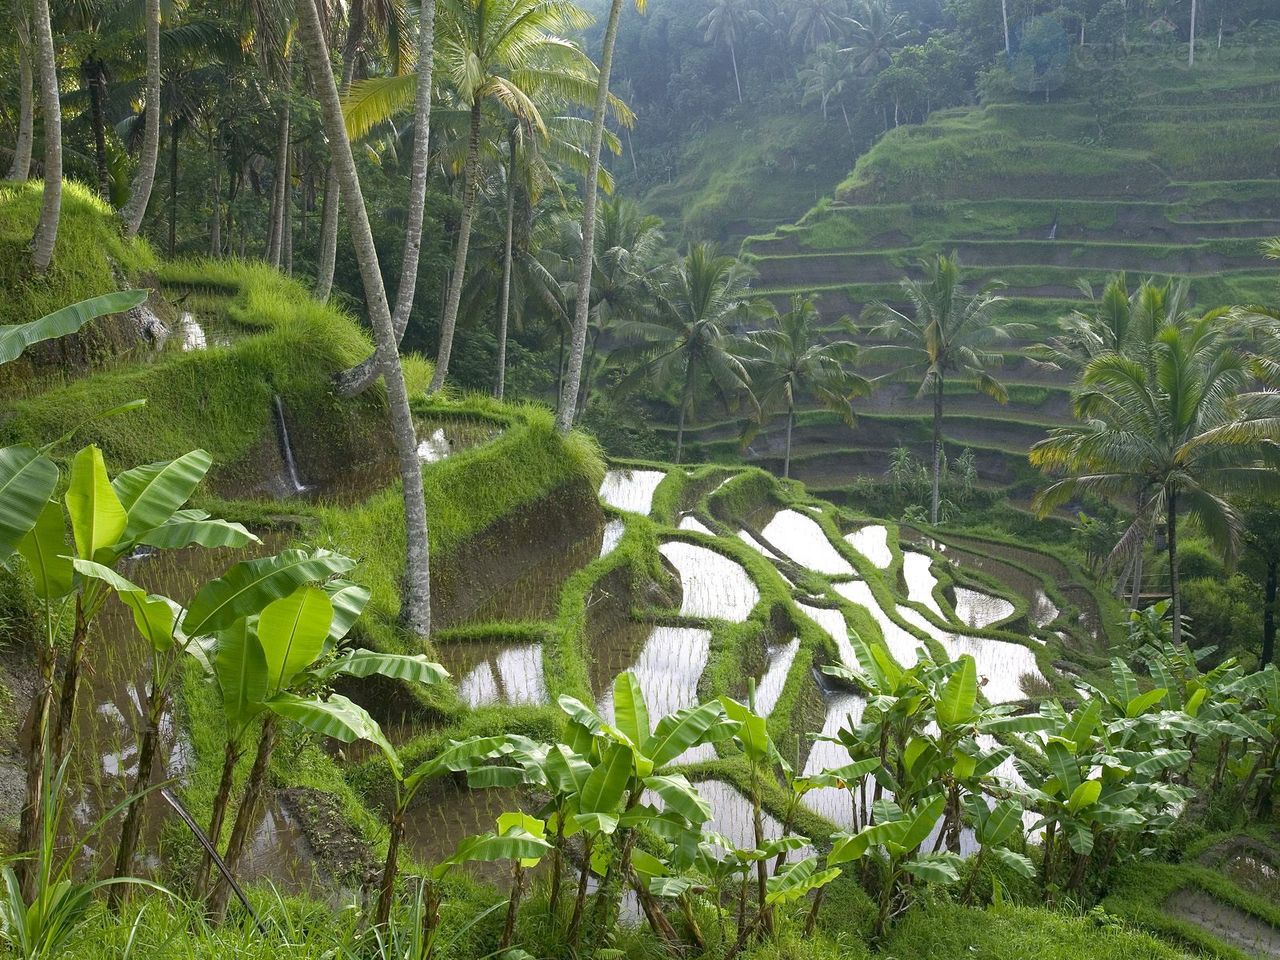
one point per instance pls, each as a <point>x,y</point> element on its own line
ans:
<point>280,853</point>
<point>669,668</point>
<point>921,581</point>
<point>769,689</point>
<point>450,812</point>
<point>980,610</point>
<point>800,538</point>
<point>872,542</point>
<point>496,672</point>
<point>109,710</point>
<point>1243,931</point>
<point>630,490</point>
<point>714,586</point>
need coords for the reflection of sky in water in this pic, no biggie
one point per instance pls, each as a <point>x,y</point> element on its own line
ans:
<point>769,689</point>
<point>630,490</point>
<point>613,531</point>
<point>978,610</point>
<point>690,522</point>
<point>713,585</point>
<point>921,581</point>
<point>513,676</point>
<point>800,538</point>
<point>872,542</point>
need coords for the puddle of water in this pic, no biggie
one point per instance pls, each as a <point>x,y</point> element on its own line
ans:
<point>872,542</point>
<point>769,689</point>
<point>800,538</point>
<point>280,852</point>
<point>613,531</point>
<point>496,672</point>
<point>921,581</point>
<point>902,644</point>
<point>440,440</point>
<point>714,585</point>
<point>690,522</point>
<point>668,668</point>
<point>1001,665</point>
<point>193,334</point>
<point>630,490</point>
<point>980,610</point>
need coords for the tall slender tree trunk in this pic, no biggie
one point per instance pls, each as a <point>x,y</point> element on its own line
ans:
<point>1171,533</point>
<point>733,55</point>
<point>332,188</point>
<point>41,727</point>
<point>144,178</point>
<point>935,500</point>
<point>1004,16</point>
<point>565,415</point>
<point>415,605</point>
<point>280,192</point>
<point>95,80</point>
<point>1269,615</point>
<point>46,235</point>
<point>174,129</point>
<point>1191,42</point>
<point>20,168</point>
<point>471,175</point>
<point>363,375</point>
<point>504,297</point>
<point>286,217</point>
<point>215,191</point>
<point>786,461</point>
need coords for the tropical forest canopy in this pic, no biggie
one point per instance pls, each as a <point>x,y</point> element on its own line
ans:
<point>685,478</point>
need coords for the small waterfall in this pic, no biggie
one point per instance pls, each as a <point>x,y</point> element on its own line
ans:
<point>286,450</point>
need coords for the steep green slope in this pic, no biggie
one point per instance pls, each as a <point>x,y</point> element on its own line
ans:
<point>1149,168</point>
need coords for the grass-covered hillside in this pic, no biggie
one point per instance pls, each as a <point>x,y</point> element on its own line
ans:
<point>1144,166</point>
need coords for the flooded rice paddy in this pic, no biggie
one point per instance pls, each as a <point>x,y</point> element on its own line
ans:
<point>779,656</point>
<point>496,672</point>
<point>981,610</point>
<point>872,541</point>
<point>630,490</point>
<point>801,539</point>
<point>921,581</point>
<point>714,586</point>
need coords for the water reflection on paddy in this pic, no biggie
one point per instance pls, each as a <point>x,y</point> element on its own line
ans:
<point>714,585</point>
<point>800,538</point>
<point>872,541</point>
<point>980,610</point>
<point>769,689</point>
<point>630,490</point>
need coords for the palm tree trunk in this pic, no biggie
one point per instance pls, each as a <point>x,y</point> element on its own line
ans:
<point>586,255</point>
<point>332,189</point>
<point>362,376</point>
<point>280,189</point>
<point>246,816</point>
<point>680,433</point>
<point>96,82</point>
<point>145,177</point>
<point>46,234</point>
<point>41,727</point>
<point>1171,532</point>
<point>733,55</point>
<point>937,451</point>
<point>286,218</point>
<point>415,605</point>
<point>1004,15</point>
<point>504,297</point>
<point>1191,43</point>
<point>20,168</point>
<point>174,128</point>
<point>450,318</point>
<point>215,191</point>
<point>1269,616</point>
<point>786,461</point>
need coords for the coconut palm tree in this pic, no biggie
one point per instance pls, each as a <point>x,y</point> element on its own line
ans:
<point>46,235</point>
<point>875,33</point>
<point>687,337</point>
<point>498,51</point>
<point>1182,427</point>
<point>415,606</point>
<point>20,168</point>
<point>946,335</point>
<point>824,77</point>
<point>817,22</point>
<point>724,23</point>
<point>567,411</point>
<point>791,359</point>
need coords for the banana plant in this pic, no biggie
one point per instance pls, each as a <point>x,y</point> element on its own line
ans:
<point>108,520</point>
<point>17,337</point>
<point>994,826</point>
